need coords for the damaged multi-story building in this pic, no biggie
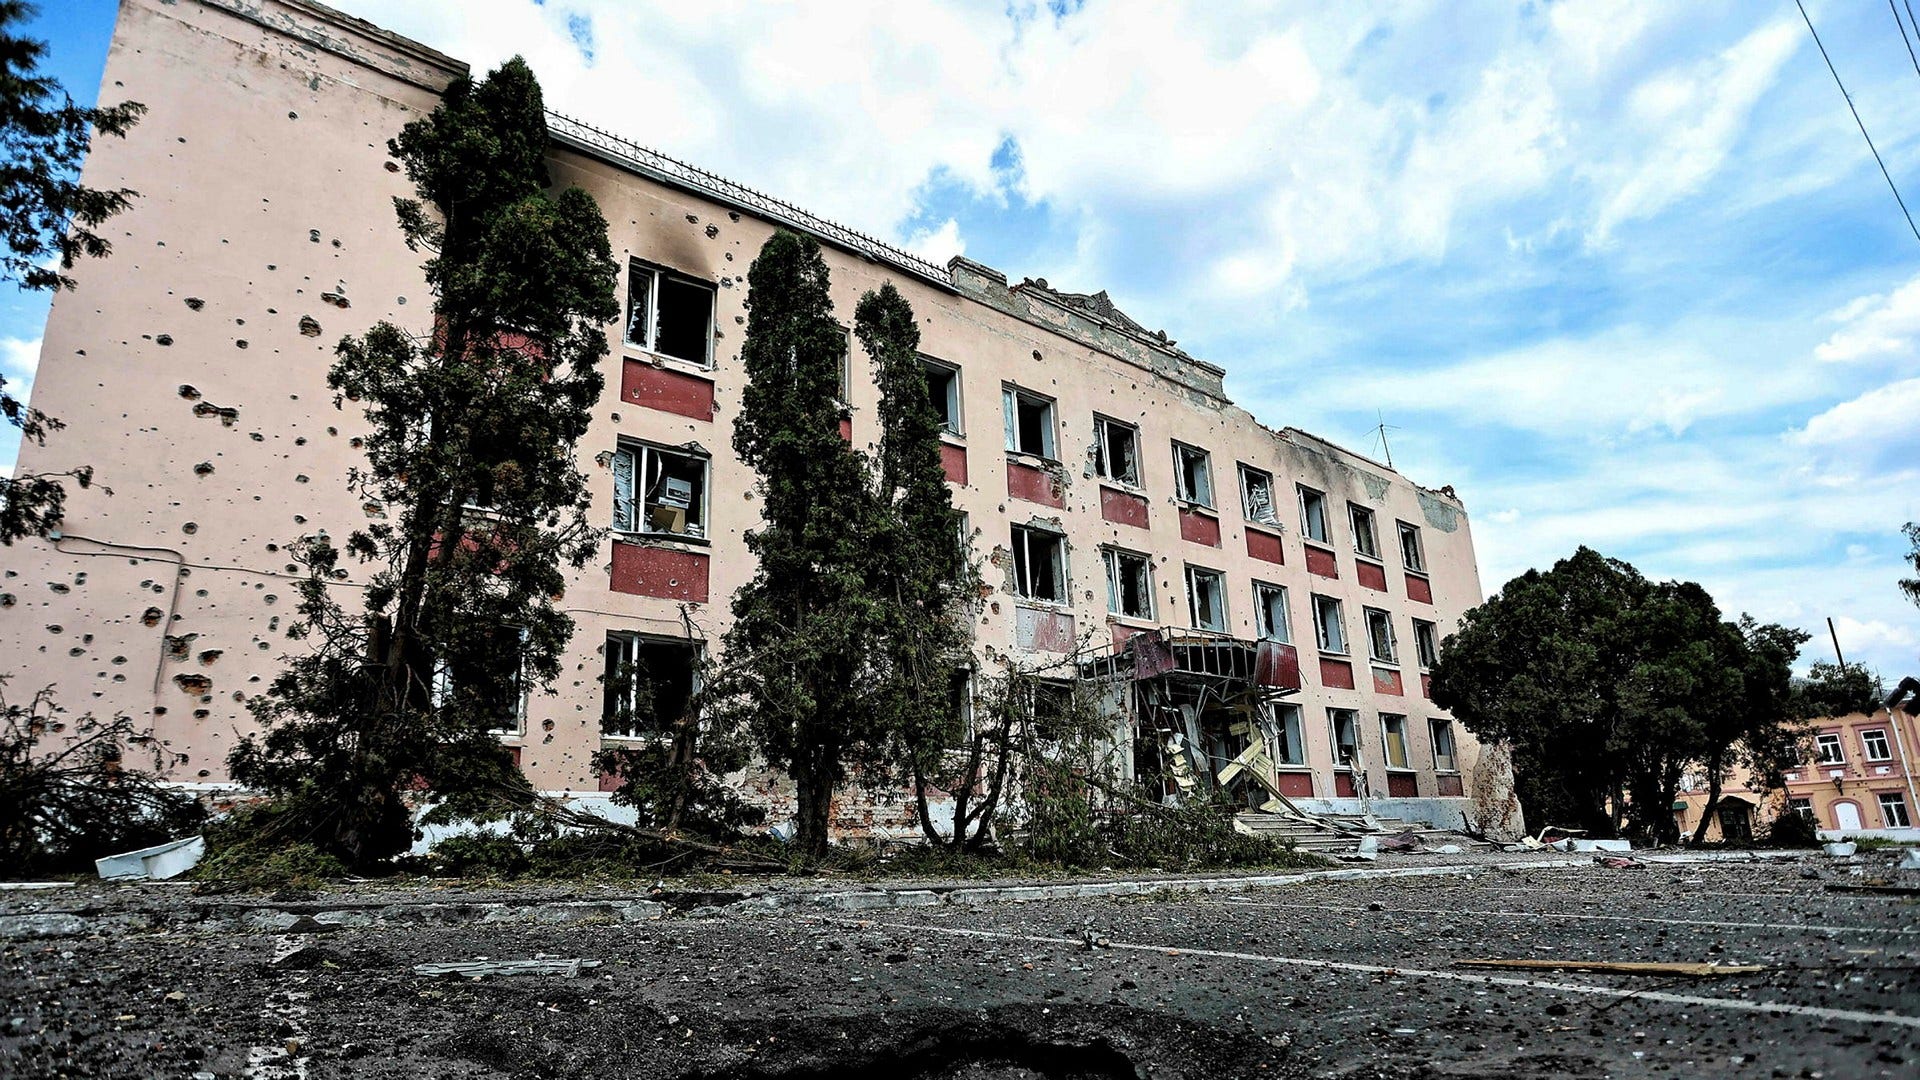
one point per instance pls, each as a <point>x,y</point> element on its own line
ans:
<point>1266,602</point>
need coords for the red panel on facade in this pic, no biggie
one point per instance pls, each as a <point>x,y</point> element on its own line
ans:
<point>1296,785</point>
<point>1426,687</point>
<point>1419,588</point>
<point>669,391</point>
<point>1034,485</point>
<point>846,428</point>
<point>1402,785</point>
<point>1336,673</point>
<point>1200,528</point>
<point>657,571</point>
<point>514,753</point>
<point>609,781</point>
<point>1123,507</point>
<point>1265,546</point>
<point>1386,680</point>
<point>1121,633</point>
<point>1277,664</point>
<point>954,460</point>
<point>1449,784</point>
<point>1043,629</point>
<point>1371,575</point>
<point>1343,785</point>
<point>1320,561</point>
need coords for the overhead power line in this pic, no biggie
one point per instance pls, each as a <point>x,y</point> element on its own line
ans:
<point>1897,21</point>
<point>1895,188</point>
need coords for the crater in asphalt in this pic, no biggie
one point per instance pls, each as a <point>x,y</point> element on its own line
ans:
<point>945,1049</point>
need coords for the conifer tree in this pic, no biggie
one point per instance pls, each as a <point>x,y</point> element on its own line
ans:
<point>473,427</point>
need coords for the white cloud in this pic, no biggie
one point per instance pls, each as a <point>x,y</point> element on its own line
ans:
<point>1875,326</point>
<point>19,360</point>
<point>938,244</point>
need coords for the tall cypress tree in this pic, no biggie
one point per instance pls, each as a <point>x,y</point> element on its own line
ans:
<point>473,427</point>
<point>796,655</point>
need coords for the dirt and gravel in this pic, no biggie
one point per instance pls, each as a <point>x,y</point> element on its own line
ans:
<point>1325,978</point>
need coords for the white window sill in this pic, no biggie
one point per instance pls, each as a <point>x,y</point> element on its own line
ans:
<point>1039,604</point>
<point>657,539</point>
<point>1037,461</point>
<point>1266,526</point>
<point>1144,622</point>
<point>630,351</point>
<point>1195,507</point>
<point>1122,485</point>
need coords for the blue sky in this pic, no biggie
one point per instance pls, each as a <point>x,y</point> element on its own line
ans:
<point>1622,273</point>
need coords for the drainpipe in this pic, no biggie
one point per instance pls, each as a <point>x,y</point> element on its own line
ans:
<point>1894,721</point>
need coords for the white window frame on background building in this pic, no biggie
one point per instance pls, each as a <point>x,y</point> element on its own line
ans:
<point>624,647</point>
<point>1893,810</point>
<point>1202,584</point>
<point>1052,550</point>
<point>1116,450</point>
<point>655,277</point>
<point>1426,643</point>
<point>1013,399</point>
<point>1382,648</point>
<point>638,470</point>
<point>1330,625</point>
<point>1413,552</point>
<point>1351,719</point>
<point>443,688</point>
<point>1256,495</point>
<point>1393,742</point>
<point>1360,520</point>
<point>1828,749</point>
<point>1445,751</point>
<point>1192,475</point>
<point>1122,563</point>
<point>1292,750</point>
<point>1270,609</point>
<point>948,402</point>
<point>1314,525</point>
<point>1874,745</point>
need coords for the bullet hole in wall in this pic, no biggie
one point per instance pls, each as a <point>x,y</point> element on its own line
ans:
<point>205,468</point>
<point>163,339</point>
<point>309,326</point>
<point>194,303</point>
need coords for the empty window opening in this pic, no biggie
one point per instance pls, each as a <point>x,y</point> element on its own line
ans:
<point>1426,647</point>
<point>943,389</point>
<point>671,490</point>
<point>1346,737</point>
<point>1289,748</point>
<point>1875,745</point>
<point>1893,811</point>
<point>845,391</point>
<point>1270,606</point>
<point>1393,738</point>
<point>1193,474</point>
<point>1364,541</point>
<point>1129,584</point>
<point>669,313</point>
<point>1828,750</point>
<point>1039,564</point>
<point>650,686</point>
<point>482,676</point>
<point>1029,423</point>
<point>1380,643</point>
<point>960,699</point>
<point>1256,495</point>
<point>1053,709</point>
<point>1116,448</point>
<point>1443,755</point>
<point>1207,599</point>
<point>1411,555</point>
<point>1313,515</point>
<point>1329,625</point>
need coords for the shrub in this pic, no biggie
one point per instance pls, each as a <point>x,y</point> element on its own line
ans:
<point>1792,830</point>
<point>251,849</point>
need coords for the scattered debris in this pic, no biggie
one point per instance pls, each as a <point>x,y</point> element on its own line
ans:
<point>157,863</point>
<point>1883,888</point>
<point>1620,967</point>
<point>1840,849</point>
<point>480,969</point>
<point>1618,862</point>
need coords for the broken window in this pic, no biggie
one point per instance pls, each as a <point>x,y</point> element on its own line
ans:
<point>1116,450</point>
<point>1426,647</point>
<point>1290,749</point>
<point>1052,709</point>
<point>1875,744</point>
<point>1346,737</point>
<point>1029,420</point>
<point>960,699</point>
<point>1270,607</point>
<point>467,678</point>
<point>649,686</point>
<point>1039,564</point>
<point>1192,474</point>
<point>1207,599</point>
<point>1313,515</point>
<point>1329,625</point>
<point>1411,556</point>
<point>670,314</point>
<point>671,489</point>
<point>1256,495</point>
<point>1361,519</point>
<point>845,391</point>
<point>1442,734</point>
<point>943,388</point>
<point>1803,807</point>
<point>1129,584</point>
<point>1393,737</point>
<point>1893,811</point>
<point>1828,749</point>
<point>1380,643</point>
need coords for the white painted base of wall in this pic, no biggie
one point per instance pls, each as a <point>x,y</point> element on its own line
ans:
<point>1448,813</point>
<point>1905,836</point>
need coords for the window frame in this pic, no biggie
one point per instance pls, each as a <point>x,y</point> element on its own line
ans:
<point>1426,643</point>
<point>442,687</point>
<point>1894,800</point>
<point>1370,617</point>
<point>1352,716</point>
<point>631,641</point>
<point>1288,725</point>
<point>1308,498</point>
<point>1181,489</point>
<point>635,501</point>
<point>1262,609</point>
<point>1112,556</point>
<point>1102,466</point>
<point>1412,558</point>
<point>1344,647</point>
<point>657,273</point>
<point>1389,722</point>
<point>1247,474</point>
<point>1803,807</point>
<point>1011,395</point>
<point>1449,761</point>
<point>1219,579</point>
<point>1825,741</point>
<point>1361,522</point>
<point>955,425</point>
<point>1866,747</point>
<point>1023,564</point>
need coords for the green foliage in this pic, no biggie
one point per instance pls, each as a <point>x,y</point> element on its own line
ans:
<point>1194,836</point>
<point>1607,687</point>
<point>472,430</point>
<point>675,780</point>
<point>259,848</point>
<point>45,211</point>
<point>1832,690</point>
<point>86,796</point>
<point>482,855</point>
<point>1911,586</point>
<point>1792,830</point>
